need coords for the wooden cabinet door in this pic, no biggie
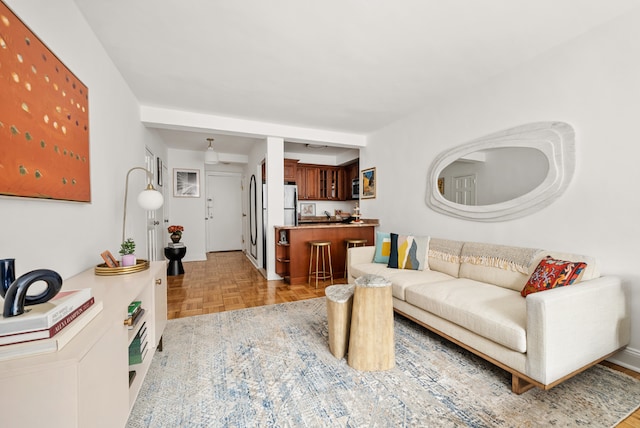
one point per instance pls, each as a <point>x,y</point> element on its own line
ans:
<point>290,169</point>
<point>312,183</point>
<point>301,182</point>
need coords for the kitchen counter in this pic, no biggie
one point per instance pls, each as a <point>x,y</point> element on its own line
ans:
<point>368,222</point>
<point>292,256</point>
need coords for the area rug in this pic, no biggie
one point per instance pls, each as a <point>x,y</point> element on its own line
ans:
<point>271,367</point>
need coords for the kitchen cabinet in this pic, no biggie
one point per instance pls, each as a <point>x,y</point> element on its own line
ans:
<point>308,179</point>
<point>292,258</point>
<point>329,183</point>
<point>290,169</point>
<point>351,172</point>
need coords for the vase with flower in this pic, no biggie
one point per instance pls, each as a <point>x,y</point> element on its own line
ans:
<point>176,233</point>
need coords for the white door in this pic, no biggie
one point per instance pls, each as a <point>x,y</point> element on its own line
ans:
<point>224,212</point>
<point>154,246</point>
<point>465,189</point>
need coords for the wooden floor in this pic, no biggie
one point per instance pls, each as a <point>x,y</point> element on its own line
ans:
<point>228,281</point>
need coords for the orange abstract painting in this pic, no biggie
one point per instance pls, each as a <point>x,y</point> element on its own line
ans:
<point>44,119</point>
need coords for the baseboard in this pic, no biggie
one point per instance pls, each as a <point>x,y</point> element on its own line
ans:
<point>628,358</point>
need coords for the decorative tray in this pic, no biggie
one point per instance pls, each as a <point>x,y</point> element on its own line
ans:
<point>103,270</point>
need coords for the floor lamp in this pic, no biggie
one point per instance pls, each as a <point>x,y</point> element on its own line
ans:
<point>149,199</point>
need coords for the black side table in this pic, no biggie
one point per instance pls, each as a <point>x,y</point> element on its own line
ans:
<point>175,256</point>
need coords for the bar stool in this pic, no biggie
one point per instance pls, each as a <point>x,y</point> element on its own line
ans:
<point>325,247</point>
<point>350,244</point>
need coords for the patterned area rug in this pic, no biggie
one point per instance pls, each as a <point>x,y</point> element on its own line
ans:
<point>271,367</point>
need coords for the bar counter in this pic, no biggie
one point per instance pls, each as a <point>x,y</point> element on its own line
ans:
<point>292,256</point>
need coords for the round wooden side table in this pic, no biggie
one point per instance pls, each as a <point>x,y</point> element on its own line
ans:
<point>371,340</point>
<point>339,303</point>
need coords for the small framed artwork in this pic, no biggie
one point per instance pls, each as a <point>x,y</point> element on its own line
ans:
<point>369,183</point>
<point>186,183</point>
<point>109,260</point>
<point>307,209</point>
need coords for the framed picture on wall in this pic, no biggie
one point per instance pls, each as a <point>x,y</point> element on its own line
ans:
<point>368,182</point>
<point>186,183</point>
<point>307,209</point>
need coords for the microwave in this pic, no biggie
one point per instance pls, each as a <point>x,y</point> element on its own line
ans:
<point>355,188</point>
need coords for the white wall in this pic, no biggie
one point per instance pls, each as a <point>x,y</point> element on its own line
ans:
<point>64,236</point>
<point>189,212</point>
<point>591,83</point>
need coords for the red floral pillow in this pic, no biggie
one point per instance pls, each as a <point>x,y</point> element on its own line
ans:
<point>552,273</point>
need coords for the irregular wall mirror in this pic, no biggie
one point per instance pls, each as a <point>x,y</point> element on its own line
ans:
<point>505,175</point>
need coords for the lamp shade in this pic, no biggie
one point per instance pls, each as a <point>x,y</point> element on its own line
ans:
<point>150,199</point>
<point>211,156</point>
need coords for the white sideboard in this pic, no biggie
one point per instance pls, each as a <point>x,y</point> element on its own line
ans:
<point>86,384</point>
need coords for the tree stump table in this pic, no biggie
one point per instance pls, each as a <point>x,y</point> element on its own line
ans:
<point>339,303</point>
<point>371,342</point>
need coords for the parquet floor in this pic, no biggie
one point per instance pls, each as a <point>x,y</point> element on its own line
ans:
<point>228,281</point>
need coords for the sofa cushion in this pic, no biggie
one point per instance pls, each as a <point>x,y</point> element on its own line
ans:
<point>551,273</point>
<point>496,313</point>
<point>502,265</point>
<point>444,256</point>
<point>409,252</point>
<point>400,278</point>
<point>383,247</point>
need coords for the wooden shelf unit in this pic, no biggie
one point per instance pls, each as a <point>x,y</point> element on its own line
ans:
<point>87,383</point>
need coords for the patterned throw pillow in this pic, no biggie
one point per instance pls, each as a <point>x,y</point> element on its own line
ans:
<point>409,252</point>
<point>552,273</point>
<point>383,248</point>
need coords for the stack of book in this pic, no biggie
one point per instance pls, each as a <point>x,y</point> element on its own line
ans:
<point>176,245</point>
<point>49,326</point>
<point>138,347</point>
<point>134,313</point>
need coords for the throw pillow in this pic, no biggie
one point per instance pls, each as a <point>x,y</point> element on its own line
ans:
<point>417,253</point>
<point>383,247</point>
<point>409,252</point>
<point>552,273</point>
<point>394,257</point>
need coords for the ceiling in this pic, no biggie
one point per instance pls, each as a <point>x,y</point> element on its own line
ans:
<point>343,65</point>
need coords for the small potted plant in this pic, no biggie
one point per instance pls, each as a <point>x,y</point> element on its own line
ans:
<point>127,250</point>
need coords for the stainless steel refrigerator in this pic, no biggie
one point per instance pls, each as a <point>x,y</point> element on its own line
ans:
<point>290,205</point>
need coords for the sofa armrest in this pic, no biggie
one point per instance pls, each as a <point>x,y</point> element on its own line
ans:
<point>571,327</point>
<point>359,255</point>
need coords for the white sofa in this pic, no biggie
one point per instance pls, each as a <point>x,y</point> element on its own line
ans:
<point>471,295</point>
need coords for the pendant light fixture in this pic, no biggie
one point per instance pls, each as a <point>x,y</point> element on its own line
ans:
<point>211,156</point>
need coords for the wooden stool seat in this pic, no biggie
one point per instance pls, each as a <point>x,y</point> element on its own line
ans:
<point>371,342</point>
<point>339,302</point>
<point>350,244</point>
<point>324,274</point>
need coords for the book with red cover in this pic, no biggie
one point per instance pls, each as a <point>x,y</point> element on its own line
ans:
<point>45,315</point>
<point>47,333</point>
<point>56,343</point>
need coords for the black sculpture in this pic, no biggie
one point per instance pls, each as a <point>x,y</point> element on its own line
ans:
<point>14,292</point>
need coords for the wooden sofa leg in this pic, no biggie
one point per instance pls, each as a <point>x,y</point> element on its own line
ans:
<point>519,385</point>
